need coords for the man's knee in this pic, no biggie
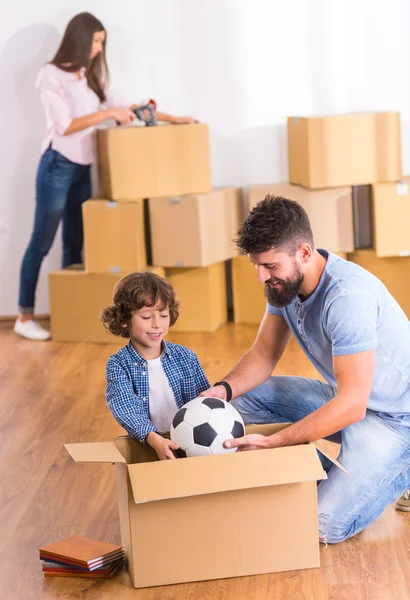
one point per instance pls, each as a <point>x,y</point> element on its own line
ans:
<point>252,408</point>
<point>239,404</point>
<point>333,531</point>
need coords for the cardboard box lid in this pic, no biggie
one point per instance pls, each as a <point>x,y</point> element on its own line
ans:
<point>331,451</point>
<point>161,480</point>
<point>95,452</point>
<point>203,475</point>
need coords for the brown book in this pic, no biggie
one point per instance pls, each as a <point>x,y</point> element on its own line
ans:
<point>80,550</point>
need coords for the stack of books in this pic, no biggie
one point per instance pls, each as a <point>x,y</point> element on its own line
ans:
<point>78,556</point>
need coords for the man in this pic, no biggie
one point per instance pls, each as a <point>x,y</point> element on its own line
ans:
<point>357,337</point>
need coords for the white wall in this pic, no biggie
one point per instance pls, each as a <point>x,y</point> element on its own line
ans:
<point>241,66</point>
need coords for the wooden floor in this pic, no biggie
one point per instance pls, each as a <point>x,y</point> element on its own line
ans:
<point>52,393</point>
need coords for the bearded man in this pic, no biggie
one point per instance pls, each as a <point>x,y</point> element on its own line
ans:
<point>358,338</point>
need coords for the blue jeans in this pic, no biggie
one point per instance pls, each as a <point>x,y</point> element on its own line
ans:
<point>61,188</point>
<point>376,452</point>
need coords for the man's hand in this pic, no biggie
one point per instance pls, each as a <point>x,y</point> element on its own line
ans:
<point>217,391</point>
<point>162,446</point>
<point>253,441</point>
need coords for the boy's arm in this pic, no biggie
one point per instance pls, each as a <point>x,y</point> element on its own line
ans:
<point>201,380</point>
<point>127,408</point>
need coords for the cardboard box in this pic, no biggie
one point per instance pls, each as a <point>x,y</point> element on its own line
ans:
<point>114,236</point>
<point>145,162</point>
<point>330,212</point>
<point>391,218</point>
<point>362,216</point>
<point>350,149</point>
<point>76,301</point>
<point>195,230</point>
<point>202,294</point>
<point>215,512</point>
<point>249,302</point>
<point>393,272</point>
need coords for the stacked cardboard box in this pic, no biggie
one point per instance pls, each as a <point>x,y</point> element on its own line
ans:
<point>392,271</point>
<point>339,150</point>
<point>192,237</point>
<point>344,170</point>
<point>145,162</point>
<point>76,301</point>
<point>156,198</point>
<point>134,163</point>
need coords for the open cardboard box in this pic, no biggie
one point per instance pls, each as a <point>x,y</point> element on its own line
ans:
<point>213,517</point>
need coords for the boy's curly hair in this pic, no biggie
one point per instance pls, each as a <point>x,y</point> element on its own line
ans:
<point>133,292</point>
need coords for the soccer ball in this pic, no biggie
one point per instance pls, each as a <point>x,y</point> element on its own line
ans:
<point>201,427</point>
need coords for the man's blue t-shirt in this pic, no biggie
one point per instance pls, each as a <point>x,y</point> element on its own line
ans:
<point>351,311</point>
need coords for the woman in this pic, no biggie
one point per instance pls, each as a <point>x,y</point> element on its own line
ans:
<point>74,90</point>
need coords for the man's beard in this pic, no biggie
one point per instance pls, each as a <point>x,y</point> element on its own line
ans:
<point>280,297</point>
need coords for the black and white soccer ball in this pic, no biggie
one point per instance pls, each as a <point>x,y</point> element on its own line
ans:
<point>202,425</point>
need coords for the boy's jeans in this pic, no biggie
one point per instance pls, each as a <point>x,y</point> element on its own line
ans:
<point>375,451</point>
<point>61,188</point>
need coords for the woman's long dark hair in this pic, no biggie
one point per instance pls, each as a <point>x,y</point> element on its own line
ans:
<point>74,52</point>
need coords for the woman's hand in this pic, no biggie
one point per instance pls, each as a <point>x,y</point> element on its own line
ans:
<point>183,120</point>
<point>123,116</point>
<point>162,446</point>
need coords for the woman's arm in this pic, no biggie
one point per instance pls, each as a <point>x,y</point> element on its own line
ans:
<point>54,98</point>
<point>166,118</point>
<point>122,115</point>
<point>175,120</point>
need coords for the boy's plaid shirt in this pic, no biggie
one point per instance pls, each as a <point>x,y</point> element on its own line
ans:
<point>127,391</point>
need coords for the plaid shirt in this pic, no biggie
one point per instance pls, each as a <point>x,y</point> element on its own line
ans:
<point>127,389</point>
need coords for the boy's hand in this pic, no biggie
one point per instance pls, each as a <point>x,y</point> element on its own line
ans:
<point>162,446</point>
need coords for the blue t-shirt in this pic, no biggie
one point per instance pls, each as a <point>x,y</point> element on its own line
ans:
<point>351,311</point>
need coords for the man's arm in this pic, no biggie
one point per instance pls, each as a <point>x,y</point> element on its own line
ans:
<point>354,376</point>
<point>259,361</point>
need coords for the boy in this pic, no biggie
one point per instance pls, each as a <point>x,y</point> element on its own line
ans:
<point>149,379</point>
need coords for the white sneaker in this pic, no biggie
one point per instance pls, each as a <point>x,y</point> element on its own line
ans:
<point>31,330</point>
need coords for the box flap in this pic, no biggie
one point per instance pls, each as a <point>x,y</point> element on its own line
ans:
<point>225,472</point>
<point>328,448</point>
<point>331,451</point>
<point>95,452</point>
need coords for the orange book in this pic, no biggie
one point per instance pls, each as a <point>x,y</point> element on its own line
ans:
<point>100,574</point>
<point>81,550</point>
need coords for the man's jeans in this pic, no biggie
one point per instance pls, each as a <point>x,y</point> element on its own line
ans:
<point>61,188</point>
<point>376,452</point>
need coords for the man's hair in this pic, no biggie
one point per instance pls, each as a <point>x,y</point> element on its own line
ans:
<point>275,222</point>
<point>134,292</point>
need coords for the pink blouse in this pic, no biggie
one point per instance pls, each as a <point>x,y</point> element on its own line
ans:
<point>66,96</point>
